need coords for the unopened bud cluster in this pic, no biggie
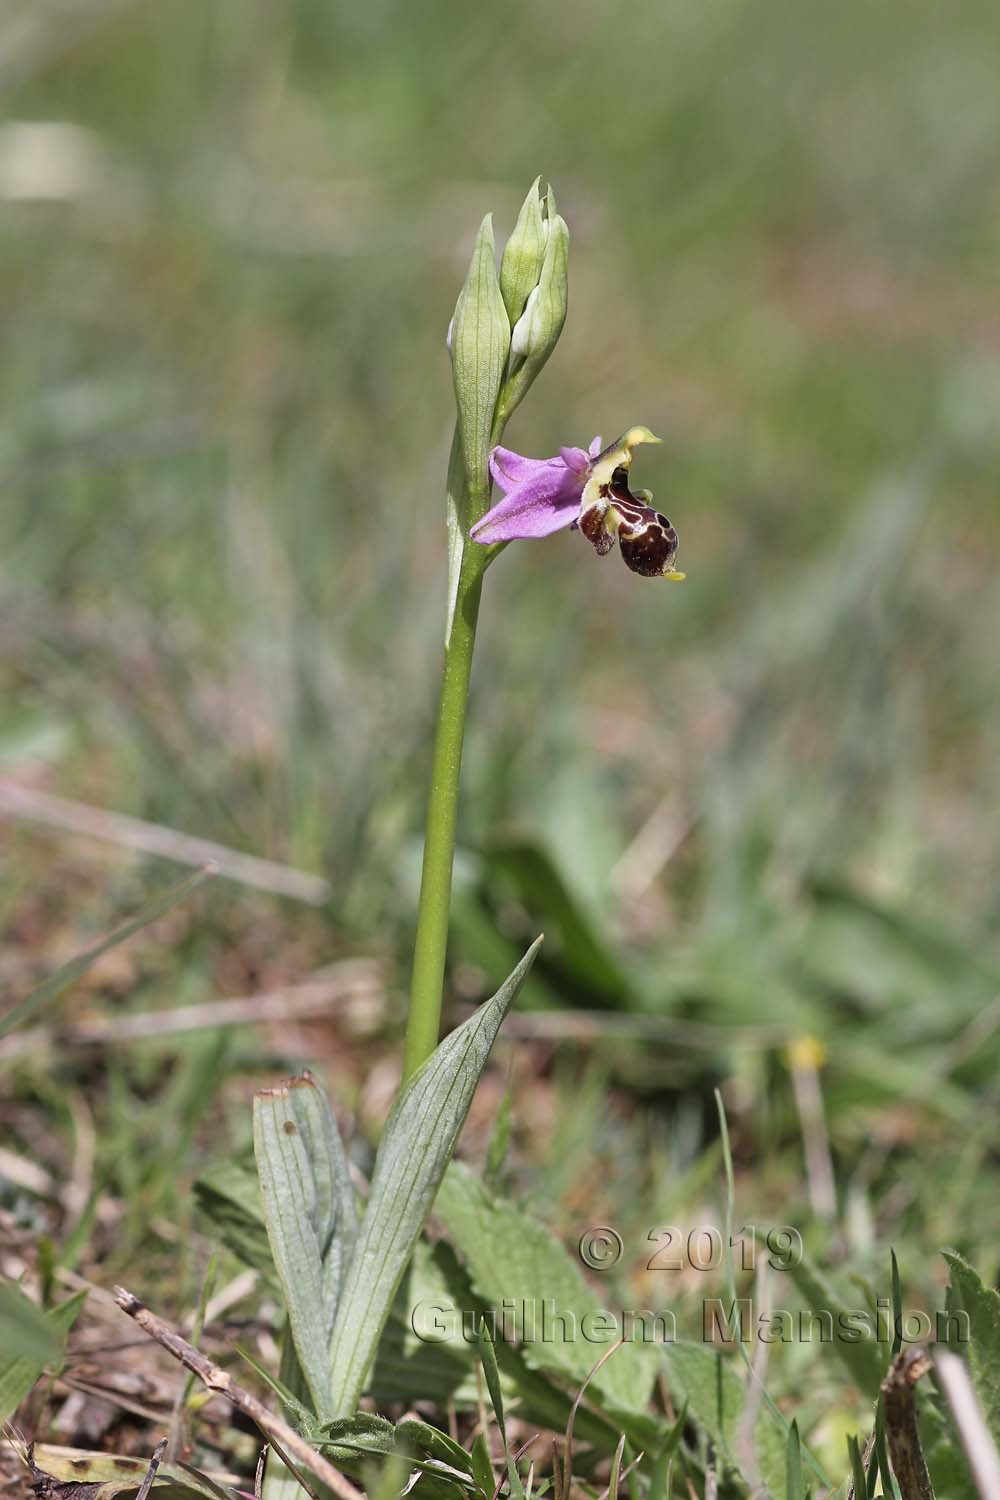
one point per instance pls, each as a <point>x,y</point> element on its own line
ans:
<point>505,327</point>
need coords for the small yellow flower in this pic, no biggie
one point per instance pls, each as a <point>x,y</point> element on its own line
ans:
<point>806,1054</point>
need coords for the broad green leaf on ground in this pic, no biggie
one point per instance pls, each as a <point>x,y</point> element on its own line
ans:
<point>309,1209</point>
<point>227,1195</point>
<point>120,1477</point>
<point>980,1347</point>
<point>705,1380</point>
<point>854,1344</point>
<point>18,1372</point>
<point>515,1263</point>
<point>416,1147</point>
<point>429,1348</point>
<point>543,1403</point>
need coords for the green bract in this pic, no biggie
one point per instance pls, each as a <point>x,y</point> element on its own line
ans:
<point>480,341</point>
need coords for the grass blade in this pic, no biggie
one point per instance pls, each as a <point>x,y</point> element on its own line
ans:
<point>794,1487</point>
<point>860,1479</point>
<point>487,1355</point>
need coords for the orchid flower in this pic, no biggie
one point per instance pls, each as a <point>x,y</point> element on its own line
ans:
<point>584,491</point>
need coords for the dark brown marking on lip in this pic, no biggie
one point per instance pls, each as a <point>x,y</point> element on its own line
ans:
<point>648,541</point>
<point>593,528</point>
<point>649,549</point>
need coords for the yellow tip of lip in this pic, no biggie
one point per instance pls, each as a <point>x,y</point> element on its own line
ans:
<point>637,435</point>
<point>674,576</point>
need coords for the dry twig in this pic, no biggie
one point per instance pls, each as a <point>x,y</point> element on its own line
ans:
<point>216,1379</point>
<point>350,979</point>
<point>34,806</point>
<point>154,1464</point>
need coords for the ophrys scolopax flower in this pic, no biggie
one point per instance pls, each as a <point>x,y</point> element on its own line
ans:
<point>586,491</point>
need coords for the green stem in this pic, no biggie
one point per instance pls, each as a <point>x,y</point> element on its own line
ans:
<point>430,948</point>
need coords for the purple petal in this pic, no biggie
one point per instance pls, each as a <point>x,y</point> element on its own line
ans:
<point>595,447</point>
<point>575,459</point>
<point>544,503</point>
<point>509,468</point>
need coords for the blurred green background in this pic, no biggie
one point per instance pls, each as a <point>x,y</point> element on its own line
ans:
<point>763,803</point>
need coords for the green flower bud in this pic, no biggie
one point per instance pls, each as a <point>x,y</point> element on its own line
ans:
<point>523,255</point>
<point>480,341</point>
<point>537,330</point>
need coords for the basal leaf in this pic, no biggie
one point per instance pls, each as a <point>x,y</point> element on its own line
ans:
<point>409,1367</point>
<point>516,1264</point>
<point>429,1348</point>
<point>309,1210</point>
<point>416,1147</point>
